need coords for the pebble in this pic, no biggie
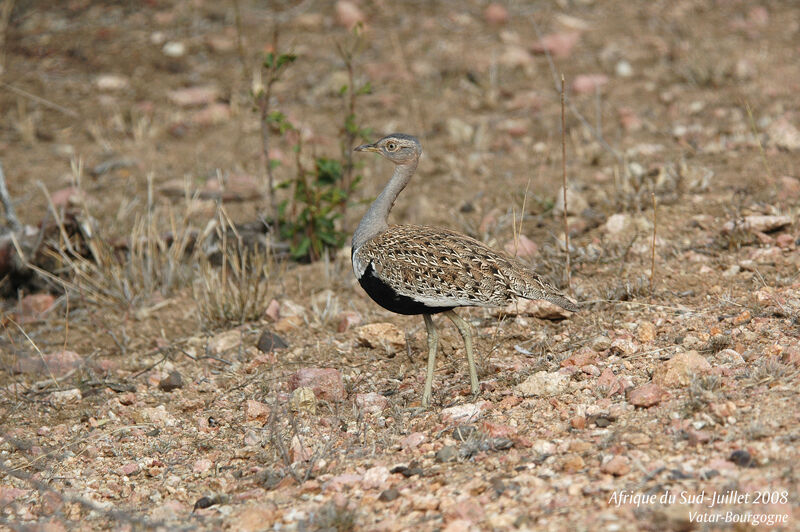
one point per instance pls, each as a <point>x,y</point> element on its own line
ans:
<point>679,370</point>
<point>348,14</point>
<point>389,495</point>
<point>522,246</point>
<point>171,381</point>
<point>646,395</point>
<point>544,310</point>
<point>380,335</point>
<point>111,82</point>
<point>495,14</point>
<point>303,400</point>
<point>645,332</point>
<point>588,83</point>
<point>467,509</point>
<point>784,135</point>
<point>413,440</point>
<point>33,306</point>
<point>623,347</point>
<point>465,413</point>
<point>174,49</point>
<point>194,96</point>
<point>212,115</point>
<point>729,358</point>
<point>617,466</point>
<point>448,453</point>
<point>623,69</point>
<point>64,397</point>
<point>543,384</point>
<point>347,319</point>
<point>616,223</point>
<point>375,477</point>
<point>560,45</point>
<point>273,311</point>
<point>583,357</point>
<point>56,364</point>
<point>576,203</point>
<point>169,511</point>
<point>326,383</point>
<point>256,410</point>
<point>572,463</point>
<point>609,383</point>
<point>741,458</point>
<point>269,342</point>
<point>372,403</point>
<point>159,416</point>
<point>224,342</point>
<point>129,469</point>
<point>697,437</point>
<point>601,343</point>
<point>759,223</point>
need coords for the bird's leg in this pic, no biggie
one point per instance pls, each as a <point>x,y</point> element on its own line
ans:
<point>433,341</point>
<point>464,328</point>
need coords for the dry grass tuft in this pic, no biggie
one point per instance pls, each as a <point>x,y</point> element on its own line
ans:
<point>236,291</point>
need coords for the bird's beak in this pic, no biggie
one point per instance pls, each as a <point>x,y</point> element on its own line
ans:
<point>367,147</point>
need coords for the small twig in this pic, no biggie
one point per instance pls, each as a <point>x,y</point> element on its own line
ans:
<point>564,181</point>
<point>39,99</point>
<point>8,205</point>
<point>5,18</point>
<point>653,247</point>
<point>237,13</point>
<point>598,135</point>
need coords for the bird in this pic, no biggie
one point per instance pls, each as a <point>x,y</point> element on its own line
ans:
<point>415,269</point>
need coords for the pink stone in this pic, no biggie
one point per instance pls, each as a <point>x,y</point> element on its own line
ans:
<point>202,465</point>
<point>327,383</point>
<point>558,44</point>
<point>522,246</point>
<point>498,430</point>
<point>588,83</point>
<point>56,364</point>
<point>495,14</point>
<point>273,310</point>
<point>413,440</point>
<point>256,410</point>
<point>34,305</point>
<point>371,402</point>
<point>348,14</point>
<point>646,395</point>
<point>617,466</point>
<point>679,370</point>
<point>466,413</point>
<point>129,469</point>
<point>347,319</point>
<point>193,96</point>
<point>375,477</point>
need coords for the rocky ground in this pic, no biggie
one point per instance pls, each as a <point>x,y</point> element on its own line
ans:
<point>670,402</point>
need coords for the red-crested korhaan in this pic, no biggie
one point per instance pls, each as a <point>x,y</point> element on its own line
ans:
<point>413,269</point>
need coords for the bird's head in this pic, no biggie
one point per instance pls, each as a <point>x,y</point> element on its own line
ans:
<point>397,147</point>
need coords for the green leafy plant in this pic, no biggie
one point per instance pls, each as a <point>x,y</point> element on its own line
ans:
<point>312,219</point>
<point>308,222</point>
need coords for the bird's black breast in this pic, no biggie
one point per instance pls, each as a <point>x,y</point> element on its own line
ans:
<point>388,298</point>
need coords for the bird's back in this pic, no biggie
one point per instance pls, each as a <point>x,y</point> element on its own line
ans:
<point>444,269</point>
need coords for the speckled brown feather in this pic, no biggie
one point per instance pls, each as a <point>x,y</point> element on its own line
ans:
<point>444,268</point>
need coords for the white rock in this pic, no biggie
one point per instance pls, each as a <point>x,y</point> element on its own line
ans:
<point>576,203</point>
<point>174,49</point>
<point>624,69</point>
<point>543,384</point>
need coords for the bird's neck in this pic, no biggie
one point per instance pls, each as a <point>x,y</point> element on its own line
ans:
<point>374,221</point>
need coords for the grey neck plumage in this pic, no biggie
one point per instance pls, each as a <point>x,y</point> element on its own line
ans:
<point>374,222</point>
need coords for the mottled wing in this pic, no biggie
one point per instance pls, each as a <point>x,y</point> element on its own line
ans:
<point>444,268</point>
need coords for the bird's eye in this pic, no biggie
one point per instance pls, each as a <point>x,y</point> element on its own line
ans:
<point>391,146</point>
